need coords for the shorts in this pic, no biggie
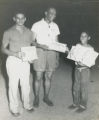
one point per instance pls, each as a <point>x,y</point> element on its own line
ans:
<point>47,60</point>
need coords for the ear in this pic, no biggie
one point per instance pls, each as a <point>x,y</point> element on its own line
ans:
<point>46,13</point>
<point>89,38</point>
<point>25,18</point>
<point>14,19</point>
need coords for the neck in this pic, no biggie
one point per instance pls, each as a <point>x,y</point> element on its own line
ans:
<point>86,44</point>
<point>19,26</point>
<point>47,20</point>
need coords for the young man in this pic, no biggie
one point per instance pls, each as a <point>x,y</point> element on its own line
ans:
<point>45,31</point>
<point>82,76</point>
<point>14,38</point>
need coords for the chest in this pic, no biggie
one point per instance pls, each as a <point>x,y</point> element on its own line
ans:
<point>17,37</point>
<point>46,29</point>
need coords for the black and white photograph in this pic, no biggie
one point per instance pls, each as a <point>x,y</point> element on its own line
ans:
<point>49,59</point>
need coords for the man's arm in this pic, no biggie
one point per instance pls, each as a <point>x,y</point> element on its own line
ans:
<point>57,40</point>
<point>34,42</point>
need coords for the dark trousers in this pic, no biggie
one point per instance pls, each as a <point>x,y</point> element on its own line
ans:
<point>80,86</point>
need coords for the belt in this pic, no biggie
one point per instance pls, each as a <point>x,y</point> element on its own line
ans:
<point>82,68</point>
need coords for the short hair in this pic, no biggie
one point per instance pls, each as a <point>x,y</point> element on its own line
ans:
<point>86,33</point>
<point>49,8</point>
<point>19,12</point>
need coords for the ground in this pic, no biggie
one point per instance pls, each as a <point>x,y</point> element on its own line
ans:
<point>61,96</point>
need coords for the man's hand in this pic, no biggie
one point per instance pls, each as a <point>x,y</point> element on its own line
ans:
<point>57,59</point>
<point>31,62</point>
<point>67,50</point>
<point>45,47</point>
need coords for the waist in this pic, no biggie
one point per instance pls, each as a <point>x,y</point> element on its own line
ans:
<point>81,67</point>
<point>17,48</point>
<point>14,58</point>
<point>45,41</point>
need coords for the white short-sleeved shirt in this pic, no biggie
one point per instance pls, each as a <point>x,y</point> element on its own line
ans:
<point>45,32</point>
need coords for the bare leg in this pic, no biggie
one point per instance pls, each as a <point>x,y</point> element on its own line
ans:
<point>47,85</point>
<point>37,88</point>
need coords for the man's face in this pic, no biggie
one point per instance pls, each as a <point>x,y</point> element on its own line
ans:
<point>51,14</point>
<point>84,38</point>
<point>20,19</point>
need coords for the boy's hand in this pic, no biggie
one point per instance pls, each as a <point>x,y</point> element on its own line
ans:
<point>81,64</point>
<point>20,55</point>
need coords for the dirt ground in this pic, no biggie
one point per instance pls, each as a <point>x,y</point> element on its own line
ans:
<point>61,96</point>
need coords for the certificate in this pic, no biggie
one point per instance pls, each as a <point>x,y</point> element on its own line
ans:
<point>56,46</point>
<point>30,53</point>
<point>89,58</point>
<point>85,55</point>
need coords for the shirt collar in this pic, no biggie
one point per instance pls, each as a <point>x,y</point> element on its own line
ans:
<point>24,28</point>
<point>43,20</point>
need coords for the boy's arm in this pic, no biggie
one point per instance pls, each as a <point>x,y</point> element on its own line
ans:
<point>5,45</point>
<point>81,64</point>
<point>6,51</point>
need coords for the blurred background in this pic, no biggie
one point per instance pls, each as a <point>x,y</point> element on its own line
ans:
<point>73,17</point>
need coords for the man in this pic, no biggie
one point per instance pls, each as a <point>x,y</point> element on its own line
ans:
<point>14,38</point>
<point>45,31</point>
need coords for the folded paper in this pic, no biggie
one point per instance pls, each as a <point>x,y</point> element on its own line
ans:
<point>30,53</point>
<point>56,46</point>
<point>85,55</point>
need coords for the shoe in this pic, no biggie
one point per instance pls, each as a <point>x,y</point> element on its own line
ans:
<point>48,102</point>
<point>36,102</point>
<point>15,114</point>
<point>73,106</point>
<point>80,109</point>
<point>30,111</point>
<point>91,81</point>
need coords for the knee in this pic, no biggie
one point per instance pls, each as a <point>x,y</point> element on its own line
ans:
<point>83,84</point>
<point>74,93</point>
<point>38,77</point>
<point>48,76</point>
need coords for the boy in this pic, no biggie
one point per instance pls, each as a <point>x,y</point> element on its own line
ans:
<point>13,39</point>
<point>18,71</point>
<point>82,75</point>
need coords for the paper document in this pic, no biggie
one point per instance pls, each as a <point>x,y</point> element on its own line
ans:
<point>85,55</point>
<point>56,46</point>
<point>30,53</point>
<point>89,58</point>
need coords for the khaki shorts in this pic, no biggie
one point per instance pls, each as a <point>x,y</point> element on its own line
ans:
<point>47,60</point>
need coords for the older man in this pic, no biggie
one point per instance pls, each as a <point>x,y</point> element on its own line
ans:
<point>45,31</point>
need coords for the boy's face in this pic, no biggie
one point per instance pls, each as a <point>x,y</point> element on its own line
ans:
<point>20,19</point>
<point>84,38</point>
